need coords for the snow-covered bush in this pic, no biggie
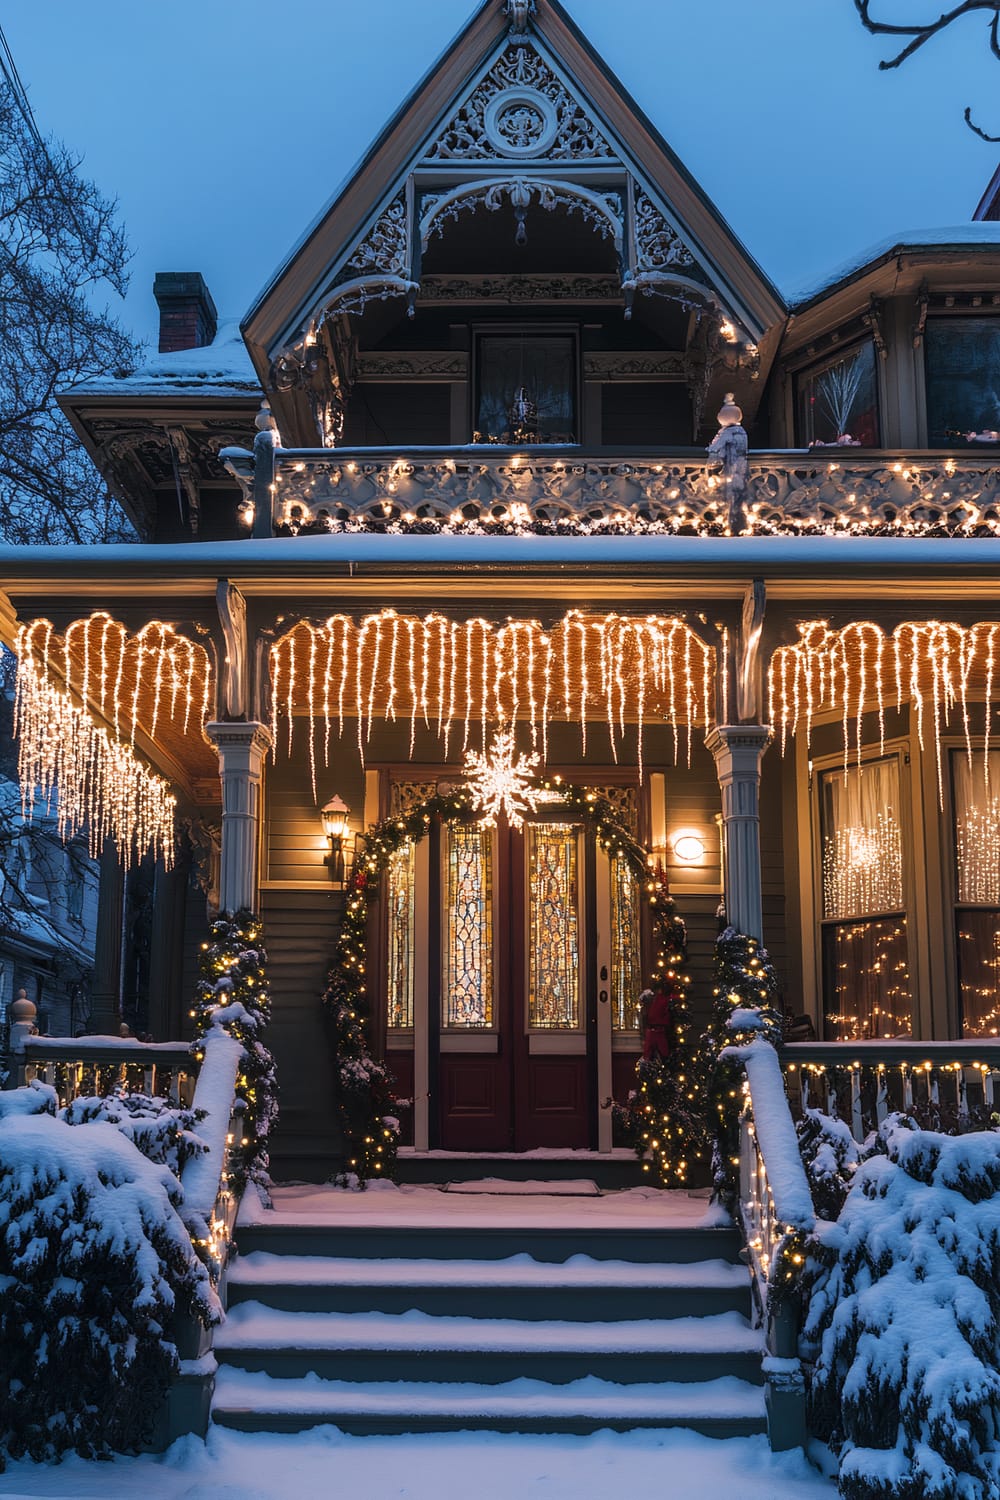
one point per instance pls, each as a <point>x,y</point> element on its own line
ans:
<point>831,1156</point>
<point>165,1133</point>
<point>94,1264</point>
<point>903,1319</point>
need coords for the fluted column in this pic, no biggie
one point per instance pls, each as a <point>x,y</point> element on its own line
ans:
<point>242,748</point>
<point>738,749</point>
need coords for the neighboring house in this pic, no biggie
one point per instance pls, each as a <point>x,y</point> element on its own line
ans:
<point>479,498</point>
<point>48,913</point>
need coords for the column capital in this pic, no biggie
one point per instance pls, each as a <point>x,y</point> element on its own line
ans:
<point>725,738</point>
<point>244,733</point>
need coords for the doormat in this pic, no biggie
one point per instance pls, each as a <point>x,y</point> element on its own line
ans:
<point>580,1187</point>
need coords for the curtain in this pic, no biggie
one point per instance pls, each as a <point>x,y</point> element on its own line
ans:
<point>862,847</point>
<point>976,800</point>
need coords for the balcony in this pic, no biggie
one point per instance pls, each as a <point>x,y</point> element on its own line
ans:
<point>565,491</point>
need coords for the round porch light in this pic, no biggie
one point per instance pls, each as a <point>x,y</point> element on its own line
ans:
<point>688,848</point>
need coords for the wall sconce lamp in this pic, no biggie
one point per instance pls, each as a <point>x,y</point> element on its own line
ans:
<point>689,848</point>
<point>336,825</point>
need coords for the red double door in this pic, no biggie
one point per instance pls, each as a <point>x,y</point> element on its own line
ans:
<point>514,988</point>
<point>498,986</point>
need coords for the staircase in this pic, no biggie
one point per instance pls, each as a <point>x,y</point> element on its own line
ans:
<point>505,1326</point>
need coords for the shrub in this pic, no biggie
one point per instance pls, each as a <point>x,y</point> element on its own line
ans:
<point>94,1265</point>
<point>903,1318</point>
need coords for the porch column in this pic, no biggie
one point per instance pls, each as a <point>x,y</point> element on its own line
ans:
<point>105,1005</point>
<point>738,749</point>
<point>241,747</point>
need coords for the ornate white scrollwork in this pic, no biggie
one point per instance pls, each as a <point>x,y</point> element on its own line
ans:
<point>504,117</point>
<point>602,211</point>
<point>658,246</point>
<point>384,248</point>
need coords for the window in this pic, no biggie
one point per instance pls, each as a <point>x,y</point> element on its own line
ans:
<point>467,998</point>
<point>866,986</point>
<point>401,883</point>
<point>976,815</point>
<point>525,388</point>
<point>839,399</point>
<point>553,926</point>
<point>962,371</point>
<point>626,961</point>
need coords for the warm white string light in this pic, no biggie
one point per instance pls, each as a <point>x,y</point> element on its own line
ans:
<point>95,783</point>
<point>620,668</point>
<point>863,868</point>
<point>977,846</point>
<point>936,665</point>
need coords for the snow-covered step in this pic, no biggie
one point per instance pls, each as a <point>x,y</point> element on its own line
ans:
<point>650,1243</point>
<point>252,1402</point>
<point>581,1288</point>
<point>416,1346</point>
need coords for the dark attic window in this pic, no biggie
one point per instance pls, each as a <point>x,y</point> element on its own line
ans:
<point>387,415</point>
<point>645,414</point>
<point>962,370</point>
<point>526,388</point>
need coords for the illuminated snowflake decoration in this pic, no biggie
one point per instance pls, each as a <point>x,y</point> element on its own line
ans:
<point>499,783</point>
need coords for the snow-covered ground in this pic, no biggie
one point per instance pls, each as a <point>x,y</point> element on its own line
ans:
<point>493,1466</point>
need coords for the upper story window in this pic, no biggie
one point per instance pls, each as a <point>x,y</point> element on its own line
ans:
<point>838,400</point>
<point>962,371</point>
<point>866,986</point>
<point>525,388</point>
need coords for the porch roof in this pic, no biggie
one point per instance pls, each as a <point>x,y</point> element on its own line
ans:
<point>792,566</point>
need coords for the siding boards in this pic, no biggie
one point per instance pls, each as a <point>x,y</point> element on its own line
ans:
<point>300,928</point>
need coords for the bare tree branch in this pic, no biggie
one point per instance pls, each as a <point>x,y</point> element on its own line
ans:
<point>921,32</point>
<point>60,242</point>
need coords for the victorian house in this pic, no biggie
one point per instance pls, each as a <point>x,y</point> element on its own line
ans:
<point>521,456</point>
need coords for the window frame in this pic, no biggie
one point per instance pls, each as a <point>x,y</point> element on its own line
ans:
<point>513,329</point>
<point>815,366</point>
<point>897,748</point>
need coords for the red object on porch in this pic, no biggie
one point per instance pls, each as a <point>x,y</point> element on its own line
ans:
<point>656,1040</point>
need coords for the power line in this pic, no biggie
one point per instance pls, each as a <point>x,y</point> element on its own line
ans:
<point>9,69</point>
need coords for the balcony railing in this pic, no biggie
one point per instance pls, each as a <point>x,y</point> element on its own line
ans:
<point>566,491</point>
<point>945,1084</point>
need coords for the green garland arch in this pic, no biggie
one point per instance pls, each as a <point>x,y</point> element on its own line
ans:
<point>365,1086</point>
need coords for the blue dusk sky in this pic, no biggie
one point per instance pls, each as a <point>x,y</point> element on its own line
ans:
<point>223,127</point>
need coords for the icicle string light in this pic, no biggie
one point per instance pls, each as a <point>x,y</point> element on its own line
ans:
<point>623,669</point>
<point>135,681</point>
<point>935,665</point>
<point>94,782</point>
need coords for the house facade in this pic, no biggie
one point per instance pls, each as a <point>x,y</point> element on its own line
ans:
<point>522,477</point>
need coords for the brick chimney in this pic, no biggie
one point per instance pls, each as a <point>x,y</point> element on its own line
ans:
<point>188,318</point>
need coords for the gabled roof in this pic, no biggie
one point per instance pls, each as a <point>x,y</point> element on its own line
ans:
<point>428,136</point>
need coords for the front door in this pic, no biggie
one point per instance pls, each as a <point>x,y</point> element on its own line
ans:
<point>519,952</point>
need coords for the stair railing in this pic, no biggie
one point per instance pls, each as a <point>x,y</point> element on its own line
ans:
<point>95,1065</point>
<point>776,1213</point>
<point>945,1083</point>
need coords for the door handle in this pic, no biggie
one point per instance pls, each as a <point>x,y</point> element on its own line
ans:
<point>603,997</point>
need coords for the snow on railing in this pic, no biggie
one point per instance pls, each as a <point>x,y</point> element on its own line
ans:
<point>209,1204</point>
<point>96,1065</point>
<point>565,489</point>
<point>776,1211</point>
<point>861,1082</point>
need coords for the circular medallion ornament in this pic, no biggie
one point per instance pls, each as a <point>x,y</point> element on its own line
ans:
<point>520,123</point>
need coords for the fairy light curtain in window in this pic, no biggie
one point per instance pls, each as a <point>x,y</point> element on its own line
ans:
<point>976,803</point>
<point>468,936</point>
<point>554,926</point>
<point>866,978</point>
<point>400,891</point>
<point>626,962</point>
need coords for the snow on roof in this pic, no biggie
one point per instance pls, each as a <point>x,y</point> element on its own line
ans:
<point>221,368</point>
<point>954,237</point>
